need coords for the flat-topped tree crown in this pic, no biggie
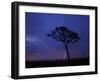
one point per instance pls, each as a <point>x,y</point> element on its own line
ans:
<point>63,34</point>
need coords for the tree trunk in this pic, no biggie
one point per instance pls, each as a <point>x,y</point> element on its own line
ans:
<point>68,56</point>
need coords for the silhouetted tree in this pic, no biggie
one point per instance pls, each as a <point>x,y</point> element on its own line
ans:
<point>64,35</point>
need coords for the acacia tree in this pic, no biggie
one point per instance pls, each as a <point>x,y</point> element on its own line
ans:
<point>64,35</point>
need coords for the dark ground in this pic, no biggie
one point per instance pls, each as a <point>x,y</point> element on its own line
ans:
<point>55,63</point>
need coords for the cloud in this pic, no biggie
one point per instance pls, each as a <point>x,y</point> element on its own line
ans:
<point>36,42</point>
<point>33,39</point>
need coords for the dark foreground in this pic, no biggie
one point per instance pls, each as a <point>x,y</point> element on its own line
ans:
<point>54,63</point>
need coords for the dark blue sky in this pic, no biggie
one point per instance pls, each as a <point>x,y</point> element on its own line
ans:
<point>41,47</point>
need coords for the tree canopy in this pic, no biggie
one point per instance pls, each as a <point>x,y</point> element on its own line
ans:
<point>65,35</point>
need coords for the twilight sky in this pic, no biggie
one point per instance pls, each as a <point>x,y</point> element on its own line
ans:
<point>41,47</point>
